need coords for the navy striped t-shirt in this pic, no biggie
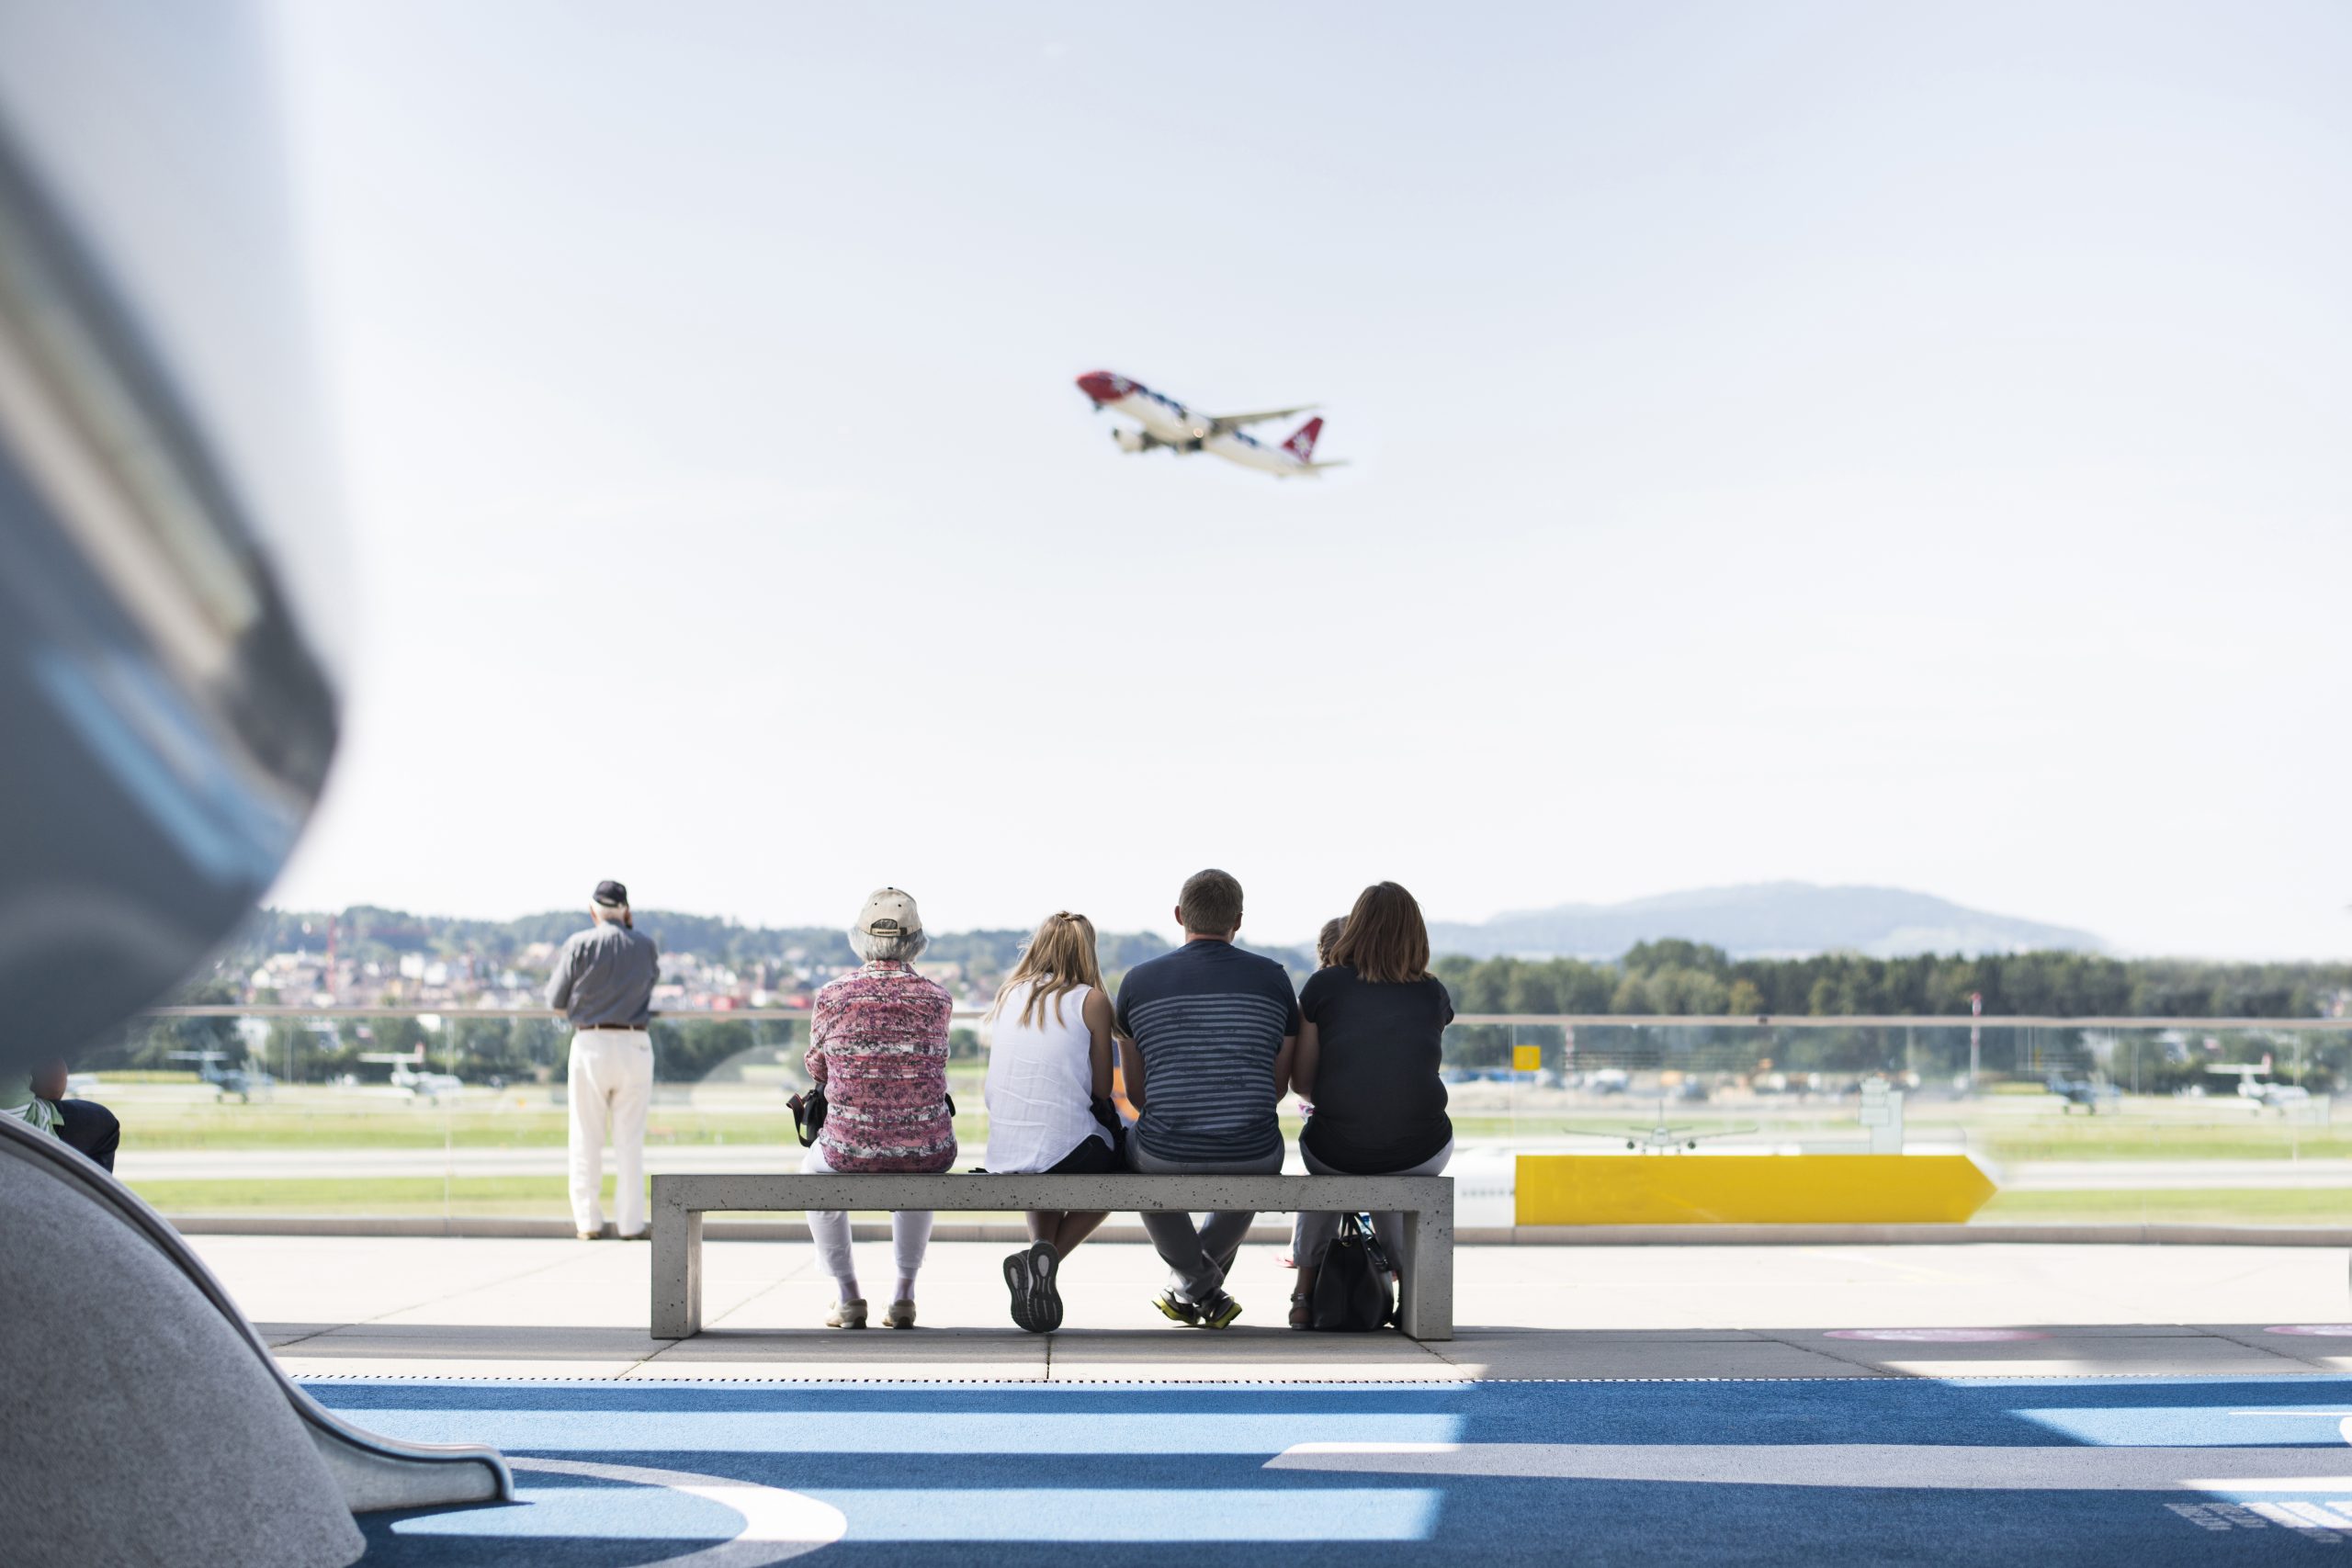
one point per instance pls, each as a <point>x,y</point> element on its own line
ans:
<point>1209,1020</point>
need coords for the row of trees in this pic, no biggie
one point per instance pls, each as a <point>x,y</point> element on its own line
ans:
<point>1694,980</point>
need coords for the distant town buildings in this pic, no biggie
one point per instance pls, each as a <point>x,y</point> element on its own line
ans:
<point>308,977</point>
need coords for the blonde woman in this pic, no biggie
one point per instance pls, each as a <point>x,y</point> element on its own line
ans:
<point>1049,1068</point>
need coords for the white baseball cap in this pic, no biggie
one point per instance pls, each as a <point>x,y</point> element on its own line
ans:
<point>889,912</point>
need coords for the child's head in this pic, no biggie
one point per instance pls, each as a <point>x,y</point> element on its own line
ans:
<point>1327,938</point>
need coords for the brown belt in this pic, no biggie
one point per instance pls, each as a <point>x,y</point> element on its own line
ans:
<point>633,1028</point>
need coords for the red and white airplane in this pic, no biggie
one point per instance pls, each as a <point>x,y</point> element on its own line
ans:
<point>1167,423</point>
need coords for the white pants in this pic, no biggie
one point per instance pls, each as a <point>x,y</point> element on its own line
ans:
<point>611,1082</point>
<point>909,1231</point>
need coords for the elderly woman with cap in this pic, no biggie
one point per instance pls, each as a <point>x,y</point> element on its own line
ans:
<point>878,1047</point>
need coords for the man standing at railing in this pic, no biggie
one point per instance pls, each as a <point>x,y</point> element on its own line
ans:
<point>604,984</point>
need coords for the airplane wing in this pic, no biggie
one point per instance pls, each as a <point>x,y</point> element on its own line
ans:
<point>1224,422</point>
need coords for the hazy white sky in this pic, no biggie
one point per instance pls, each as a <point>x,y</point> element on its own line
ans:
<point>1851,443</point>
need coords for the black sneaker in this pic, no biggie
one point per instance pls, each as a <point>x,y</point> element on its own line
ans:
<point>1176,1309</point>
<point>1016,1279</point>
<point>1044,1295</point>
<point>1218,1311</point>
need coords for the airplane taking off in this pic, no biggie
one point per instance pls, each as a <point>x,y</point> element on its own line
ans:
<point>1167,423</point>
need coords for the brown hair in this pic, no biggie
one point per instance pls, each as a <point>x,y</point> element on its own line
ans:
<point>1385,940</point>
<point>1058,960</point>
<point>1326,939</point>
<point>1210,904</point>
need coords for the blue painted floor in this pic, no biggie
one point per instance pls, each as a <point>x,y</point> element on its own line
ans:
<point>1191,1477</point>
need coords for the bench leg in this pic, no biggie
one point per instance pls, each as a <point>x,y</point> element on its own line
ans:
<point>677,1272</point>
<point>1427,1308</point>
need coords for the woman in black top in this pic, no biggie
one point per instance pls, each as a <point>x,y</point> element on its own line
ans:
<point>1367,1058</point>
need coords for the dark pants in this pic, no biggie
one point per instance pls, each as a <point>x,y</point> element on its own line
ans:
<point>90,1127</point>
<point>1197,1260</point>
<point>1091,1157</point>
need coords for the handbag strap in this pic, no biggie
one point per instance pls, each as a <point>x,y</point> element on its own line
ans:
<point>808,1109</point>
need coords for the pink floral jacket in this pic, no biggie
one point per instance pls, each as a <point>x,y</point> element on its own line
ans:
<point>879,1044</point>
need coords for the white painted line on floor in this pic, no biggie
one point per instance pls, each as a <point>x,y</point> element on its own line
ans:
<point>1894,1466</point>
<point>777,1525</point>
<point>2284,1515</point>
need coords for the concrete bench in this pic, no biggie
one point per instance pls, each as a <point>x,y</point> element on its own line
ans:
<point>1427,1201</point>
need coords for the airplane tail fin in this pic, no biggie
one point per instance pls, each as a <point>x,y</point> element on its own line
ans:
<point>1301,444</point>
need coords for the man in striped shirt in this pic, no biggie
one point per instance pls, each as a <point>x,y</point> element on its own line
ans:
<point>1207,1033</point>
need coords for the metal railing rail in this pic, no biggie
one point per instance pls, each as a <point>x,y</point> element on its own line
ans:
<point>1570,1020</point>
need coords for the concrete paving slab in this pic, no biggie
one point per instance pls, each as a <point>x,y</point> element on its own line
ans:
<point>429,1366</point>
<point>2103,1356</point>
<point>491,1341</point>
<point>920,1352</point>
<point>275,1334</point>
<point>2095,1367</point>
<point>1529,1354</point>
<point>1190,1371</point>
<point>1260,1353</point>
<point>477,1306</point>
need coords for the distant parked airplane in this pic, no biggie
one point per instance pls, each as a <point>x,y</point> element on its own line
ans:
<point>408,1073</point>
<point>2252,1086</point>
<point>1167,423</point>
<point>2087,1092</point>
<point>240,1081</point>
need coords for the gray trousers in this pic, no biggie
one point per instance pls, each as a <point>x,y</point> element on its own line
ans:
<point>1312,1234</point>
<point>1197,1259</point>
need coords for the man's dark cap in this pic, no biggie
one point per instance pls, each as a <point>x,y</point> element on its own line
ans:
<point>611,895</point>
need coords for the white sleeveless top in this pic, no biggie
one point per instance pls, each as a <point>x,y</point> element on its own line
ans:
<point>1041,1084</point>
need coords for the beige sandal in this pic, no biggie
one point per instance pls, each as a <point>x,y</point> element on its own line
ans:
<point>847,1314</point>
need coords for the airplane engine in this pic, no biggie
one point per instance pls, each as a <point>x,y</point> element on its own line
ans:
<point>1133,440</point>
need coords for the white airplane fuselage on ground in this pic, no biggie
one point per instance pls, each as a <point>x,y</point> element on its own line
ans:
<point>1164,421</point>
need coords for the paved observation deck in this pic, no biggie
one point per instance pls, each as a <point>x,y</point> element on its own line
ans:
<point>509,1308</point>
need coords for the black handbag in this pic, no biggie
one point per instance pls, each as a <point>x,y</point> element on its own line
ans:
<point>1352,1292</point>
<point>809,1114</point>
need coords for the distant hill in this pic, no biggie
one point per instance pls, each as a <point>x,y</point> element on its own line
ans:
<point>1770,920</point>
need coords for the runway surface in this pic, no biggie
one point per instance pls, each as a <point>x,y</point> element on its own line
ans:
<point>1856,1470</point>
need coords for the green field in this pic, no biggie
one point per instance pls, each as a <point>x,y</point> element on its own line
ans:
<point>317,1122</point>
<point>2218,1205</point>
<point>524,1197</point>
<point>2013,1133</point>
<point>177,1128</point>
<point>542,1197</point>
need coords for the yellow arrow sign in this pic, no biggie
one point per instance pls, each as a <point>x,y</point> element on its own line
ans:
<point>1697,1190</point>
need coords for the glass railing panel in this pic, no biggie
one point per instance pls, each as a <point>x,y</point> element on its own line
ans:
<point>461,1114</point>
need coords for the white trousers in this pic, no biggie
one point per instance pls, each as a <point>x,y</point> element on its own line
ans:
<point>909,1231</point>
<point>611,1083</point>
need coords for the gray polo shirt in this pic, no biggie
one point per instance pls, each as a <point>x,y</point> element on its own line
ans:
<point>605,975</point>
